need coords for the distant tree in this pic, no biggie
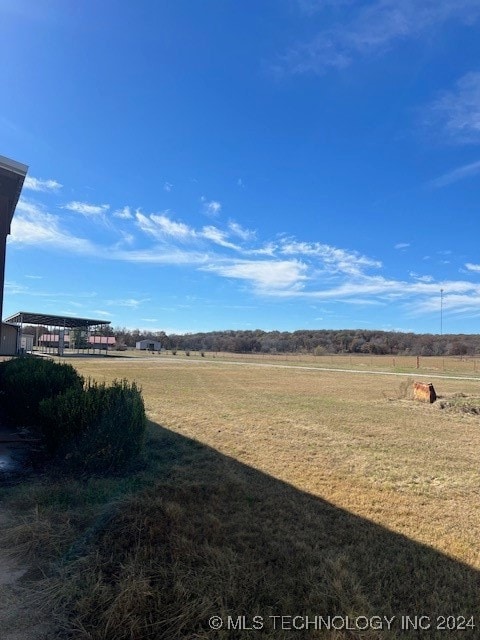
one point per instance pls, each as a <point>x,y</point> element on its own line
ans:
<point>458,348</point>
<point>78,339</point>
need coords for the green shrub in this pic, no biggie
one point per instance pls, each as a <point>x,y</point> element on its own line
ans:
<point>26,381</point>
<point>96,428</point>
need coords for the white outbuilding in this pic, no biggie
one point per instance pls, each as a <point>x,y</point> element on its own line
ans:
<point>148,345</point>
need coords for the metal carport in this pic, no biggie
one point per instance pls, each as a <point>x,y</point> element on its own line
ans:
<point>83,326</point>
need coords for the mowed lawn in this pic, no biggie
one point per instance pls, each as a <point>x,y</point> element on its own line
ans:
<point>354,440</point>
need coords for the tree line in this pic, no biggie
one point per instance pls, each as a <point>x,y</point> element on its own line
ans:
<point>316,342</point>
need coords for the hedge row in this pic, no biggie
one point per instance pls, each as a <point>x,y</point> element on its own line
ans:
<point>88,426</point>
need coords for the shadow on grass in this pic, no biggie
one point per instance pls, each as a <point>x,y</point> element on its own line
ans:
<point>209,536</point>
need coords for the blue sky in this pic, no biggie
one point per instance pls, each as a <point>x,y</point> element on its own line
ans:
<point>284,164</point>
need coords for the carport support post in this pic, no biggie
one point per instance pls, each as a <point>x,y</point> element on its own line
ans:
<point>61,341</point>
<point>19,336</point>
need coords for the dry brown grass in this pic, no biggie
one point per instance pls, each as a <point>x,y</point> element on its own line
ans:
<point>215,537</point>
<point>434,365</point>
<point>333,435</point>
<point>280,491</point>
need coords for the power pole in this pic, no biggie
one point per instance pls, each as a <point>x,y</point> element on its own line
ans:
<point>441,312</point>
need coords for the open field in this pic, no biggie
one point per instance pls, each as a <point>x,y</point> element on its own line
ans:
<point>454,365</point>
<point>275,491</point>
<point>346,438</point>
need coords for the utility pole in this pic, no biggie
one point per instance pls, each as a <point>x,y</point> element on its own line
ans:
<point>441,312</point>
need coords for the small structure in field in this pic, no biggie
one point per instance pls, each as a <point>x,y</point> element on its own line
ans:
<point>148,345</point>
<point>424,392</point>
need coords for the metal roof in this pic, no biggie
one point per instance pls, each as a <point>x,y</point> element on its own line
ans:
<point>28,317</point>
<point>13,165</point>
<point>12,176</point>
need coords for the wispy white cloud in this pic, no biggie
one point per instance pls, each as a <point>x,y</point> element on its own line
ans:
<point>123,214</point>
<point>37,184</point>
<point>161,226</point>
<point>218,237</point>
<point>53,295</point>
<point>87,209</point>
<point>283,268</point>
<point>166,229</point>
<point>211,207</point>
<point>457,114</point>
<point>34,226</point>
<point>330,258</point>
<point>214,207</point>
<point>267,249</point>
<point>418,296</point>
<point>127,238</point>
<point>160,255</point>
<point>402,245</point>
<point>241,232</point>
<point>371,28</point>
<point>425,278</point>
<point>14,288</point>
<point>452,302</point>
<point>63,311</point>
<point>472,267</point>
<point>466,171</point>
<point>324,257</point>
<point>100,312</point>
<point>168,186</point>
<point>132,303</point>
<point>265,275</point>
